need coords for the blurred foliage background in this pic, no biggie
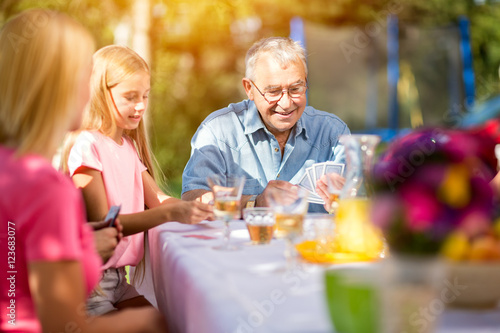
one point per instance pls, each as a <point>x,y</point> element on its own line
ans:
<point>196,48</point>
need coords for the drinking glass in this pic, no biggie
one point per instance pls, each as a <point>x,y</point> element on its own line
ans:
<point>227,196</point>
<point>353,298</point>
<point>290,207</point>
<point>260,224</point>
<point>333,194</point>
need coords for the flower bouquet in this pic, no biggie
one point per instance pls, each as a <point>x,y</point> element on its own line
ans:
<point>428,186</point>
<point>431,183</point>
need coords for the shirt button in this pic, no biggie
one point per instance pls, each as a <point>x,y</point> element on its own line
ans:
<point>276,149</point>
<point>278,176</point>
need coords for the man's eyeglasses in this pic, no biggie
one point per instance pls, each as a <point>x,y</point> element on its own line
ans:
<point>273,96</point>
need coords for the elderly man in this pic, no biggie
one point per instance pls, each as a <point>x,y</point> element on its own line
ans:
<point>272,137</point>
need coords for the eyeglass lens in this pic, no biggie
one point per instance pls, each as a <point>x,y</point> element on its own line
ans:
<point>293,92</point>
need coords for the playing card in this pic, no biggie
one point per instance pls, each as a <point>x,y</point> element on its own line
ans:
<point>331,167</point>
<point>199,236</point>
<point>319,170</point>
<point>313,174</point>
<point>310,172</point>
<point>305,182</point>
<point>314,198</point>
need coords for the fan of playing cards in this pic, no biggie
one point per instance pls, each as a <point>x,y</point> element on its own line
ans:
<point>313,173</point>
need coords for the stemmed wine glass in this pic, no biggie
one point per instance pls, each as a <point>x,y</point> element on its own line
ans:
<point>227,196</point>
<point>290,207</point>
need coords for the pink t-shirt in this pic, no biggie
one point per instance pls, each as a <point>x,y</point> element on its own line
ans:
<point>42,218</point>
<point>121,171</point>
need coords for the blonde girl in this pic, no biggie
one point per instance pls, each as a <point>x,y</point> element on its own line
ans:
<point>112,164</point>
<point>48,259</point>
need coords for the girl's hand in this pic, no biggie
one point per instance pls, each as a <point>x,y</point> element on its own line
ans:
<point>188,212</point>
<point>106,238</point>
<point>104,224</point>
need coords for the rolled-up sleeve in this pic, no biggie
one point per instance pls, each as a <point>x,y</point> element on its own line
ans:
<point>206,159</point>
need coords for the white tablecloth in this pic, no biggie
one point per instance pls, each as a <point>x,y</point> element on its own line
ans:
<point>202,290</point>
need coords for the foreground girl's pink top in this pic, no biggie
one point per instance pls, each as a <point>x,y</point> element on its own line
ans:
<point>121,172</point>
<point>42,219</point>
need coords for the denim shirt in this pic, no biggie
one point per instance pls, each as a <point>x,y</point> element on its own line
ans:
<point>235,141</point>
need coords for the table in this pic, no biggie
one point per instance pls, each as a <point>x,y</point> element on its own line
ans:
<point>202,290</point>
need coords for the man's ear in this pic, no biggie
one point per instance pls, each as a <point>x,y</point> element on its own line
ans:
<point>247,85</point>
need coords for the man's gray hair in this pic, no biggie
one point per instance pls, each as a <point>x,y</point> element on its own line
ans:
<point>285,50</point>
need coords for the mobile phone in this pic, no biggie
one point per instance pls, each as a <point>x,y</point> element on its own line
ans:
<point>112,215</point>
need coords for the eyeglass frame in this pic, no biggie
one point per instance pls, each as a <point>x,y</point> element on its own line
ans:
<point>282,92</point>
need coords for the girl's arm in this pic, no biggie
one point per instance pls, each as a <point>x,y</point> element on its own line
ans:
<point>94,193</point>
<point>162,207</point>
<point>153,195</point>
<point>183,211</point>
<point>57,289</point>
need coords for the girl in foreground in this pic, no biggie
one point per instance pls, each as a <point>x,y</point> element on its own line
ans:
<point>48,260</point>
<point>112,164</point>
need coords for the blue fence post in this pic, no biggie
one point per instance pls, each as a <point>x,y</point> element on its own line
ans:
<point>467,69</point>
<point>297,33</point>
<point>393,70</point>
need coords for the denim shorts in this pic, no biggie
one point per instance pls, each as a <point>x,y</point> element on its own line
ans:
<point>113,288</point>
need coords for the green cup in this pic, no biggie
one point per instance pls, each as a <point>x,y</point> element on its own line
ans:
<point>352,298</point>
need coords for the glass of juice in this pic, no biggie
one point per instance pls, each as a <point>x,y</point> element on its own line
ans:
<point>260,224</point>
<point>227,203</point>
<point>289,207</point>
<point>353,298</point>
<point>334,189</point>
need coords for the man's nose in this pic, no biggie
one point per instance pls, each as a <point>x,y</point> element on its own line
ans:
<point>285,101</point>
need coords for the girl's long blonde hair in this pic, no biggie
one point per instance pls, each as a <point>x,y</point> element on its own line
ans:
<point>43,57</point>
<point>112,65</point>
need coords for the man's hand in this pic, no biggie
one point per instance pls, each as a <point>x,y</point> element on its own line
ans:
<point>261,200</point>
<point>329,183</point>
<point>106,238</point>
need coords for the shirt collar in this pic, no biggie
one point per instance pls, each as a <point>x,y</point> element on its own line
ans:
<point>252,119</point>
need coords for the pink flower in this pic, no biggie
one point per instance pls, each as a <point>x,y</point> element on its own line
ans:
<point>421,207</point>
